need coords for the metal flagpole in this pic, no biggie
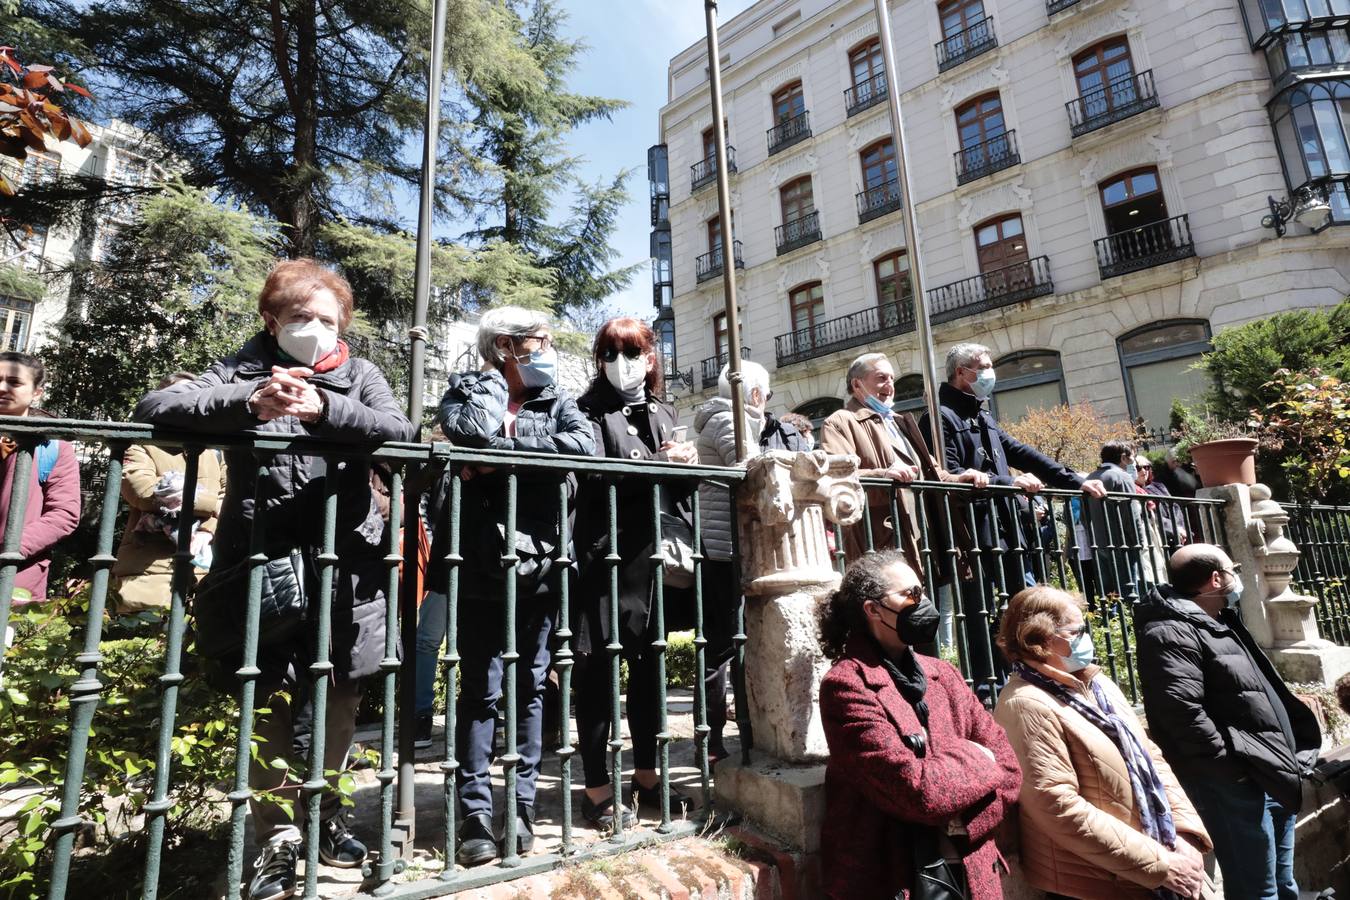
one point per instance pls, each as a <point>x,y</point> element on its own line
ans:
<point>728,239</point>
<point>924,327</point>
<point>417,341</point>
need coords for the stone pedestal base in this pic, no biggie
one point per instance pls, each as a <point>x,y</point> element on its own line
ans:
<point>783,669</point>
<point>782,800</point>
<point>1316,665</point>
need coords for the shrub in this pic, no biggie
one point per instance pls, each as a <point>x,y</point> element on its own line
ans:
<point>1305,430</point>
<point>1072,434</point>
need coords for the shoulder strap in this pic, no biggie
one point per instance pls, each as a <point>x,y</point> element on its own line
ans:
<point>46,455</point>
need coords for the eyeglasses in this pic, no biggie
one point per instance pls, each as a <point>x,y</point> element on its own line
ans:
<point>545,340</point>
<point>610,354</point>
<point>1074,632</point>
<point>1143,467</point>
<point>911,593</point>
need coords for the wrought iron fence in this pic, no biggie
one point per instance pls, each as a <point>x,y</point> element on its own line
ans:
<point>866,94</point>
<point>409,466</point>
<point>789,131</point>
<point>970,42</point>
<point>1322,533</point>
<point>709,265</point>
<point>797,233</point>
<point>987,157</point>
<point>990,290</point>
<point>1117,99</point>
<point>878,200</point>
<point>705,170</point>
<point>712,366</point>
<point>1145,246</point>
<point>862,327</point>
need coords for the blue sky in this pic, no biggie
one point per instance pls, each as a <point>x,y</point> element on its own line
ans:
<point>631,43</point>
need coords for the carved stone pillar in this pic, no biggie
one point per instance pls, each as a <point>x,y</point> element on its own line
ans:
<point>1292,623</point>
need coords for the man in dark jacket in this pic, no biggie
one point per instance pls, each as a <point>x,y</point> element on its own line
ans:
<point>1115,526</point>
<point>973,440</point>
<point>1236,737</point>
<point>779,434</point>
<point>512,404</point>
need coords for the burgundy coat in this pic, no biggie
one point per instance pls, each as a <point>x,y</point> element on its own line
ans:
<point>874,784</point>
<point>52,513</point>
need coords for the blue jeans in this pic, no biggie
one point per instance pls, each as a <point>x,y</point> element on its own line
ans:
<point>430,636</point>
<point>1253,837</point>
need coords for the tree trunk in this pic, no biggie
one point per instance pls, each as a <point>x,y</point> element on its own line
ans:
<point>300,211</point>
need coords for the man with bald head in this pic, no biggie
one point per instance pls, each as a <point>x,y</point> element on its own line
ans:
<point>1238,740</point>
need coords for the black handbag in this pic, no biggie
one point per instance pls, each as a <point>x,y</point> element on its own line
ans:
<point>221,605</point>
<point>935,876</point>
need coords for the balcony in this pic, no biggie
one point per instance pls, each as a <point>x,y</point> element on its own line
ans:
<point>877,201</point>
<point>991,290</point>
<point>1267,20</point>
<point>867,94</point>
<point>1116,100</point>
<point>968,44</point>
<point>987,157</point>
<point>1054,6</point>
<point>798,233</point>
<point>712,366</point>
<point>709,265</point>
<point>705,170</point>
<point>1145,247</point>
<point>852,330</point>
<point>789,131</point>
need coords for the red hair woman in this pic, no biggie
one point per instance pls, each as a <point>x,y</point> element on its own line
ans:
<point>631,421</point>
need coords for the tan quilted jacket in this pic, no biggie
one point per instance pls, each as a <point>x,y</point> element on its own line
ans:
<point>1080,831</point>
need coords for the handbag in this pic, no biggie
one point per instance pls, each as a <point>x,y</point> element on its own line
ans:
<point>677,551</point>
<point>935,876</point>
<point>221,605</point>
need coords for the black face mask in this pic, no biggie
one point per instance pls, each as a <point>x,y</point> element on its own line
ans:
<point>918,623</point>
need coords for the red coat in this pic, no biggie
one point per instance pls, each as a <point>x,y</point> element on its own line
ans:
<point>52,513</point>
<point>874,784</point>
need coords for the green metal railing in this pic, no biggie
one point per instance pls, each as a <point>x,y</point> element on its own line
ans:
<point>1322,533</point>
<point>407,462</point>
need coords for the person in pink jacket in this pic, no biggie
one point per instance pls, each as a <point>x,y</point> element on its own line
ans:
<point>53,508</point>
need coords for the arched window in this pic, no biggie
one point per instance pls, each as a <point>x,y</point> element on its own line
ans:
<point>819,410</point>
<point>878,164</point>
<point>909,394</point>
<point>1028,379</point>
<point>806,306</point>
<point>788,102</point>
<point>1311,125</point>
<point>1157,361</point>
<point>1105,76</point>
<point>865,62</point>
<point>895,297</point>
<point>796,199</point>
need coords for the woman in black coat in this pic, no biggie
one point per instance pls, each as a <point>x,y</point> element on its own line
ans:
<point>630,422</point>
<point>297,377</point>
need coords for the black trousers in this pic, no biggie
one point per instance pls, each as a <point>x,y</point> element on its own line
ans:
<point>591,686</point>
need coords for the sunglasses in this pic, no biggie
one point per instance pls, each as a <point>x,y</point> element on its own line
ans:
<point>610,354</point>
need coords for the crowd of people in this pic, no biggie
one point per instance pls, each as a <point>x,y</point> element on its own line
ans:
<point>928,767</point>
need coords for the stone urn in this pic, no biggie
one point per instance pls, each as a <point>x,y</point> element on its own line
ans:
<point>1229,461</point>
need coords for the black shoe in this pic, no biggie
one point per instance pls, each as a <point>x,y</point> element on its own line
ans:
<point>477,843</point>
<point>338,846</point>
<point>274,872</point>
<point>650,798</point>
<point>524,829</point>
<point>423,739</point>
<point>601,815</point>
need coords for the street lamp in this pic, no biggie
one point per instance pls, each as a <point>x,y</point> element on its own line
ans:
<point>1309,205</point>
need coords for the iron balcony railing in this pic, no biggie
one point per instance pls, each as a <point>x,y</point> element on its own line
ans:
<point>866,94</point>
<point>704,171</point>
<point>855,329</point>
<point>709,265</point>
<point>1120,99</point>
<point>1322,533</point>
<point>789,131</point>
<point>525,479</point>
<point>798,233</point>
<point>660,209</point>
<point>987,157</point>
<point>1054,6</point>
<point>1145,247</point>
<point>875,202</point>
<point>990,290</point>
<point>977,38</point>
<point>712,366</point>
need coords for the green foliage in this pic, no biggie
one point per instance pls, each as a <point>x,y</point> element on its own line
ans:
<point>681,670</point>
<point>177,291</point>
<point>1111,623</point>
<point>1307,428</point>
<point>15,282</point>
<point>1190,427</point>
<point>1244,357</point>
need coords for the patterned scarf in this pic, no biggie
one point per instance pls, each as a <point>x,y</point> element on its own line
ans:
<point>1150,797</point>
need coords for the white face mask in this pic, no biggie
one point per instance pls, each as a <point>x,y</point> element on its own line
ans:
<point>627,375</point>
<point>307,342</point>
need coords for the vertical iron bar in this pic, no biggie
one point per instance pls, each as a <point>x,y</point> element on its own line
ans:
<point>958,600</point>
<point>389,667</point>
<point>614,648</point>
<point>510,674</point>
<point>659,649</point>
<point>743,727</point>
<point>1103,607</point>
<point>450,662</point>
<point>11,557</point>
<point>84,693</point>
<point>982,589</point>
<point>158,807</point>
<point>701,727</point>
<point>562,664</point>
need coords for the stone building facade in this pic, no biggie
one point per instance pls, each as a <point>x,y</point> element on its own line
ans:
<point>1090,179</point>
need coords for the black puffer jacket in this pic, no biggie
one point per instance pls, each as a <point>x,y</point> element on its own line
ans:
<point>779,435</point>
<point>472,414</point>
<point>361,409</point>
<point>1208,692</point>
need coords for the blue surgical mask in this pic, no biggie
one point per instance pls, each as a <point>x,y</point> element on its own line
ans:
<point>1081,653</point>
<point>1234,595</point>
<point>874,404</point>
<point>538,369</point>
<point>1132,470</point>
<point>983,388</point>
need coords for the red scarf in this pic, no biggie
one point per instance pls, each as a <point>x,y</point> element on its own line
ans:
<point>332,360</point>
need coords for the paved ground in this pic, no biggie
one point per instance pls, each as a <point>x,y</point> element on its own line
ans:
<point>428,860</point>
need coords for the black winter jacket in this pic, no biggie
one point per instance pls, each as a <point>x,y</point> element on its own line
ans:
<point>1205,691</point>
<point>472,414</point>
<point>965,426</point>
<point>779,435</point>
<point>361,409</point>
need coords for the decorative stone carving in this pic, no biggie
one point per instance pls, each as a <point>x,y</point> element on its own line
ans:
<point>1126,153</point>
<point>866,29</point>
<point>770,83</point>
<point>978,82</point>
<point>1094,29</point>
<point>1291,615</point>
<point>1008,196</point>
<point>867,131</point>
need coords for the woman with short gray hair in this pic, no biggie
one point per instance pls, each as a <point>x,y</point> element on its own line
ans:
<point>514,322</point>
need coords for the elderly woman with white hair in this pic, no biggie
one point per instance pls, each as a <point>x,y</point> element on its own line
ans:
<point>714,424</point>
<point>512,403</point>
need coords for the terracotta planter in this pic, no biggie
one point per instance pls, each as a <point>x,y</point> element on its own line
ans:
<point>1231,461</point>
